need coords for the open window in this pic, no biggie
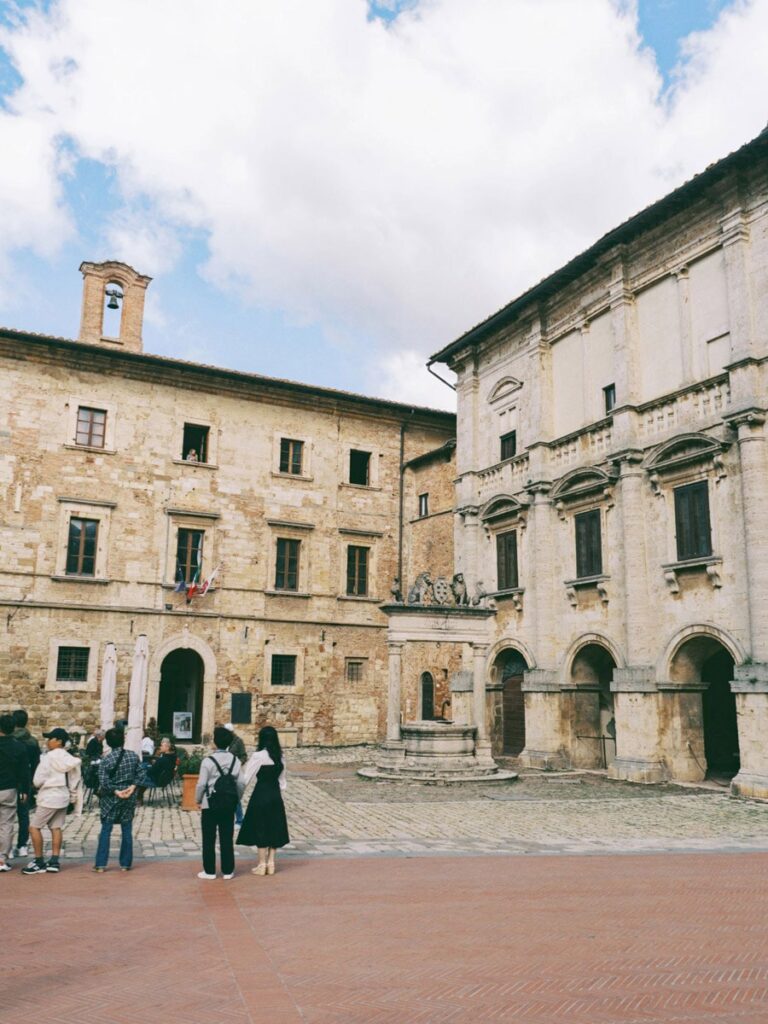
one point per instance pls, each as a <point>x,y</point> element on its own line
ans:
<point>359,467</point>
<point>195,443</point>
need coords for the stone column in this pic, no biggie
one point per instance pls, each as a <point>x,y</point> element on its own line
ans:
<point>479,655</point>
<point>544,741</point>
<point>636,713</point>
<point>751,689</point>
<point>393,695</point>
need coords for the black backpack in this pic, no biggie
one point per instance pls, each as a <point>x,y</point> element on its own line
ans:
<point>223,797</point>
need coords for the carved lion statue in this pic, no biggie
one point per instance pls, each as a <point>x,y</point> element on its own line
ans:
<point>459,589</point>
<point>421,589</point>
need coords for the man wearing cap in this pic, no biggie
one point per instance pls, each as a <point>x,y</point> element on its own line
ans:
<point>57,781</point>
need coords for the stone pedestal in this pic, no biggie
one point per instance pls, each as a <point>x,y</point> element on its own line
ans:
<point>636,714</point>
<point>544,741</point>
<point>751,689</point>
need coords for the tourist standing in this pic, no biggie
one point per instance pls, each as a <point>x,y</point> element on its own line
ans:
<point>265,825</point>
<point>94,748</point>
<point>14,786</point>
<point>58,784</point>
<point>219,789</point>
<point>119,775</point>
<point>32,747</point>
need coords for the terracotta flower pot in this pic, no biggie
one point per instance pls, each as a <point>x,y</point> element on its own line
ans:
<point>188,785</point>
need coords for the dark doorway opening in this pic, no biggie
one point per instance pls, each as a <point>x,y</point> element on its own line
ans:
<point>721,733</point>
<point>427,697</point>
<point>511,666</point>
<point>181,691</point>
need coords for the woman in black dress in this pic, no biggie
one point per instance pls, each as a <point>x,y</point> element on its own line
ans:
<point>264,825</point>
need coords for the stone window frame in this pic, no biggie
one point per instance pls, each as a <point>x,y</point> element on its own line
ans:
<point>89,685</point>
<point>189,519</point>
<point>356,660</point>
<point>360,539</point>
<point>688,459</point>
<point>374,469</point>
<point>77,402</point>
<point>84,508</point>
<point>212,454</point>
<point>307,473</point>
<point>586,489</point>
<point>294,650</point>
<point>503,514</point>
<point>283,529</point>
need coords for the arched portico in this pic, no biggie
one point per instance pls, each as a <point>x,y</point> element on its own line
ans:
<point>587,674</point>
<point>508,666</point>
<point>700,719</point>
<point>184,641</point>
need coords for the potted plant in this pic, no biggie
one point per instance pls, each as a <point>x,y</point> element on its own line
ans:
<point>189,772</point>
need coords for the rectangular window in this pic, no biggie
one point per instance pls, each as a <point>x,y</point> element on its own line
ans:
<point>509,445</point>
<point>240,713</point>
<point>81,547</point>
<point>506,561</point>
<point>692,526</point>
<point>423,504</point>
<point>589,553</point>
<point>357,571</point>
<point>72,664</point>
<point>194,446</point>
<point>287,565</point>
<point>355,670</point>
<point>609,394</point>
<point>291,456</point>
<point>283,670</point>
<point>91,426</point>
<point>189,555</point>
<point>359,467</point>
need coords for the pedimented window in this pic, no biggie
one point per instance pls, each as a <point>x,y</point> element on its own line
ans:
<point>504,389</point>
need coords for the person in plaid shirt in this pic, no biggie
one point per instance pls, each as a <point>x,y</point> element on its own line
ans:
<point>119,774</point>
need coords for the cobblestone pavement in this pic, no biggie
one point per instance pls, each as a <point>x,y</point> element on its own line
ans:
<point>516,940</point>
<point>333,812</point>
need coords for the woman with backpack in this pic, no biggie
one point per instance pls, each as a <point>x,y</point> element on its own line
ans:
<point>264,825</point>
<point>219,789</point>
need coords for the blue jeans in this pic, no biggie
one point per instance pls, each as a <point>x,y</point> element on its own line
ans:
<point>126,844</point>
<point>239,813</point>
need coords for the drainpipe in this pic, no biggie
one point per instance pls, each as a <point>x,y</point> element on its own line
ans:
<point>403,428</point>
<point>441,379</point>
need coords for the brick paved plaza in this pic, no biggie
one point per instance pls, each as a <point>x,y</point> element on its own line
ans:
<point>368,919</point>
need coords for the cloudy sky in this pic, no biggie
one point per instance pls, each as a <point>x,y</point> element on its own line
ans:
<point>330,190</point>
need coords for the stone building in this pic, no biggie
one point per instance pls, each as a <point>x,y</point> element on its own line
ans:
<point>126,478</point>
<point>612,491</point>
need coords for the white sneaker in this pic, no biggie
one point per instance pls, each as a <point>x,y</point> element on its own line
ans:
<point>229,876</point>
<point>203,874</point>
<point>22,851</point>
<point>5,866</point>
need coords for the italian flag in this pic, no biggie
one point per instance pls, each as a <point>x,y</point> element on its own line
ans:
<point>194,585</point>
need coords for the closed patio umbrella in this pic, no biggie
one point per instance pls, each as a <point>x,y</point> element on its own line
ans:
<point>108,683</point>
<point>137,695</point>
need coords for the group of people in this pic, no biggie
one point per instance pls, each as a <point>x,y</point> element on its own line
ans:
<point>53,781</point>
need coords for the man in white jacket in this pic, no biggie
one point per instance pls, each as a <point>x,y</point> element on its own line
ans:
<point>58,784</point>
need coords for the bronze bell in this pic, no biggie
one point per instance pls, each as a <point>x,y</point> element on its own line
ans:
<point>112,304</point>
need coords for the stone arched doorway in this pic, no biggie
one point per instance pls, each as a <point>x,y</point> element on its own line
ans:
<point>427,697</point>
<point>507,673</point>
<point>180,695</point>
<point>591,712</point>
<point>701,672</point>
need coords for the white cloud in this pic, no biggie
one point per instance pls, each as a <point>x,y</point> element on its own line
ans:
<point>392,182</point>
<point>403,376</point>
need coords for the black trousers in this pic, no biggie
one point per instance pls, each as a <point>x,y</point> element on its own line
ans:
<point>224,824</point>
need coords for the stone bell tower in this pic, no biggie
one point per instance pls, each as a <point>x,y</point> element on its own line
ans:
<point>113,305</point>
